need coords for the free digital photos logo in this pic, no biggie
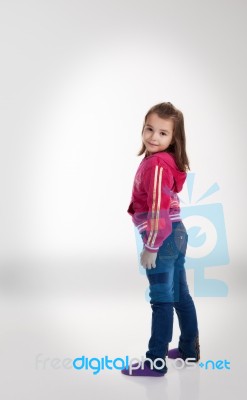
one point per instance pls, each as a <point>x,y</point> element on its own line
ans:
<point>96,365</point>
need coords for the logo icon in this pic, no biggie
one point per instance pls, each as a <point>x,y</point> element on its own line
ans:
<point>207,241</point>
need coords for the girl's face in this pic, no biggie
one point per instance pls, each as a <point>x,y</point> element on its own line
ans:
<point>157,133</point>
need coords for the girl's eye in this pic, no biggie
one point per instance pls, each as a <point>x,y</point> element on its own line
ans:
<point>163,133</point>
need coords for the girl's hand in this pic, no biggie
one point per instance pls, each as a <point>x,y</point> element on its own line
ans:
<point>148,259</point>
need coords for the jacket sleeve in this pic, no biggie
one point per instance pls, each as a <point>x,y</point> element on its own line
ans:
<point>159,225</point>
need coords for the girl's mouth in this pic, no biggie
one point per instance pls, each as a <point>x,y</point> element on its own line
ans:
<point>151,144</point>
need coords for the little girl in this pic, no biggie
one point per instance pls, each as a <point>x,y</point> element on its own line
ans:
<point>155,211</point>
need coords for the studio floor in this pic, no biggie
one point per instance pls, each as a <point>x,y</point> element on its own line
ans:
<point>53,316</point>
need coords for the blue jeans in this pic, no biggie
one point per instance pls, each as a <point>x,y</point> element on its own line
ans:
<point>168,290</point>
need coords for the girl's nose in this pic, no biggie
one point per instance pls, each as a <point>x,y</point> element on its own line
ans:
<point>154,135</point>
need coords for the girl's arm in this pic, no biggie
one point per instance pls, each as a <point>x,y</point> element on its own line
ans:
<point>159,226</point>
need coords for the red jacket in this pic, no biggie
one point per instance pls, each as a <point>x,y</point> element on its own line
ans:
<point>155,204</point>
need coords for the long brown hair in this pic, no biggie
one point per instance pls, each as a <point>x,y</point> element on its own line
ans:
<point>178,144</point>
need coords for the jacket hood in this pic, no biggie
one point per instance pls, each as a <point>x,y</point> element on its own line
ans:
<point>179,176</point>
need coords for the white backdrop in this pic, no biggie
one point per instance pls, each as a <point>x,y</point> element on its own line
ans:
<point>77,78</point>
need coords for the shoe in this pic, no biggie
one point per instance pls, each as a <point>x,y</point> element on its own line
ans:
<point>175,353</point>
<point>145,371</point>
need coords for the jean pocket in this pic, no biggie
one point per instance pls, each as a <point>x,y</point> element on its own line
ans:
<point>175,243</point>
<point>181,240</point>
